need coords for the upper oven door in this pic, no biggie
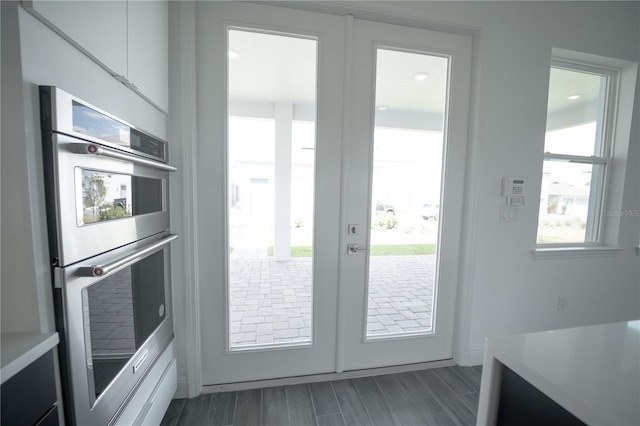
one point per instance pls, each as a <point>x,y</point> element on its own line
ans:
<point>104,198</point>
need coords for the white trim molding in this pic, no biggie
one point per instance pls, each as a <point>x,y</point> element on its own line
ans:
<point>476,357</point>
<point>315,378</point>
<point>189,164</point>
<point>462,353</point>
<point>182,391</point>
<point>185,130</point>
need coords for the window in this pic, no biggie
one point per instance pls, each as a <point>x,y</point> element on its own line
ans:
<point>577,154</point>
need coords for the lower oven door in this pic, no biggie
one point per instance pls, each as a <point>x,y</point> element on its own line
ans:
<point>115,317</point>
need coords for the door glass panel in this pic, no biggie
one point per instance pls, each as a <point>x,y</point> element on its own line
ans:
<point>271,163</point>
<point>408,143</point>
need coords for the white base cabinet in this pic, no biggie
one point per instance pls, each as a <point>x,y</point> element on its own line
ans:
<point>587,375</point>
<point>153,396</point>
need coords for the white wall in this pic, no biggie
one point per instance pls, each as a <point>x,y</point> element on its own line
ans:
<point>19,296</point>
<point>508,291</point>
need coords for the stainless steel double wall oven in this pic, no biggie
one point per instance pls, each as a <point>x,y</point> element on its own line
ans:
<point>107,187</point>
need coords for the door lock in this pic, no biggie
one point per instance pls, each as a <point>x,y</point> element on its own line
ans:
<point>353,229</point>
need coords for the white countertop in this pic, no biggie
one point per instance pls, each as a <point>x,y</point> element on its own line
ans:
<point>593,372</point>
<point>18,350</point>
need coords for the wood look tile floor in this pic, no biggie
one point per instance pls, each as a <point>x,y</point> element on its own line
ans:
<point>441,396</point>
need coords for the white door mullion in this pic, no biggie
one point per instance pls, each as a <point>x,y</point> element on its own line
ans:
<point>346,133</point>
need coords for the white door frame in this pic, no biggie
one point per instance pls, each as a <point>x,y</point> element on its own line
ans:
<point>182,131</point>
<point>183,19</point>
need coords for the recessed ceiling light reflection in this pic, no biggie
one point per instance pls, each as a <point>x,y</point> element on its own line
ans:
<point>233,54</point>
<point>383,108</point>
<point>421,76</point>
<point>573,97</point>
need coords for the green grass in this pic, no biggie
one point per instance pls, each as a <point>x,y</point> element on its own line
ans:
<point>402,249</point>
<point>381,250</point>
<point>299,251</point>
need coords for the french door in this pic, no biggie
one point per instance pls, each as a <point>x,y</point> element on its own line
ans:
<point>332,260</point>
<point>403,188</point>
<point>272,85</point>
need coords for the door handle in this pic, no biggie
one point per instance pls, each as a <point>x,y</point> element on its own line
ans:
<point>94,149</point>
<point>354,249</point>
<point>102,270</point>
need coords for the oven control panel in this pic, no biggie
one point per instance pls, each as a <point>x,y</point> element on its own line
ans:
<point>75,117</point>
<point>147,145</point>
<point>92,122</point>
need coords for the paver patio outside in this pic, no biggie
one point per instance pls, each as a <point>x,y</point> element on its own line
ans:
<point>271,301</point>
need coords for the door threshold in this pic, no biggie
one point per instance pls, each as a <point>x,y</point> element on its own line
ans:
<point>325,377</point>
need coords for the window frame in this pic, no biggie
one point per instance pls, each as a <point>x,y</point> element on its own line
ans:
<point>604,145</point>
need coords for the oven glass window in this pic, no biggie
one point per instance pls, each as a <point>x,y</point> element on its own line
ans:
<point>108,196</point>
<point>121,312</point>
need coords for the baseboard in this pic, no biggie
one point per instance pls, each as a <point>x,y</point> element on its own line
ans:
<point>476,356</point>
<point>182,391</point>
<point>323,377</point>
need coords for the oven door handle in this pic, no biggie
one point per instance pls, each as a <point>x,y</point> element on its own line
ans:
<point>102,270</point>
<point>94,149</point>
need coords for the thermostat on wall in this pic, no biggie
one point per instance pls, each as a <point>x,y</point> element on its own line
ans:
<point>513,189</point>
<point>512,186</point>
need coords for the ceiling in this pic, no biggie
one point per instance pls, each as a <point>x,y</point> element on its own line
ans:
<point>565,83</point>
<point>271,68</point>
<point>276,68</point>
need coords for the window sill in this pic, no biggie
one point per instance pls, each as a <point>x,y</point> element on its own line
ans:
<point>574,252</point>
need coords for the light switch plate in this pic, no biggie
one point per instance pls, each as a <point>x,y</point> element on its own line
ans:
<point>515,200</point>
<point>508,214</point>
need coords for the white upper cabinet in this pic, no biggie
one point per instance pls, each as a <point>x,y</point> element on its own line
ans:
<point>149,49</point>
<point>127,38</point>
<point>97,27</point>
